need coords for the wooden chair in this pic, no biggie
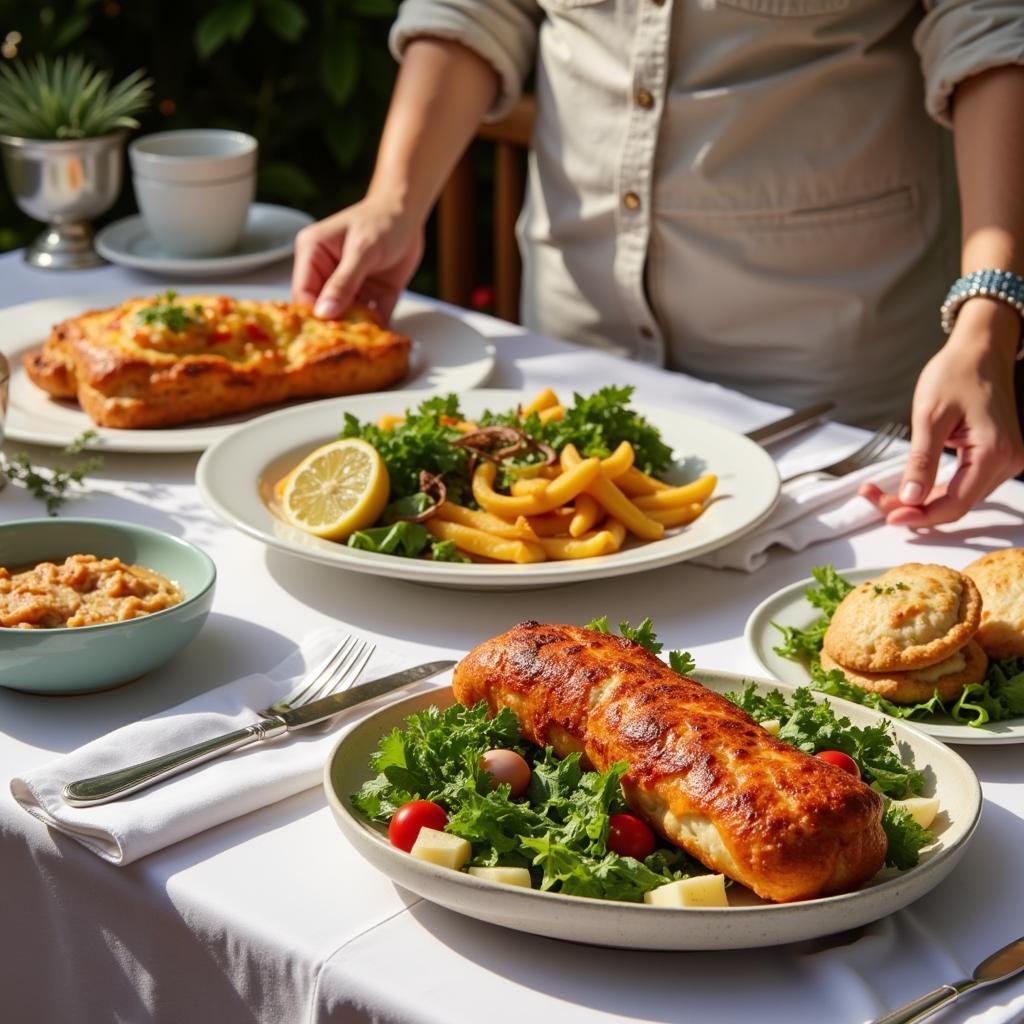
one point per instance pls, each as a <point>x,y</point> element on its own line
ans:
<point>457,221</point>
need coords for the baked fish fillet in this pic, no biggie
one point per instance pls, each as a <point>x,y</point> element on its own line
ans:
<point>702,772</point>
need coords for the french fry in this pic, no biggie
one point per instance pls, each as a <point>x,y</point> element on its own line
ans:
<point>545,400</point>
<point>451,512</point>
<point>634,483</point>
<point>614,502</point>
<point>476,542</point>
<point>669,517</point>
<point>389,421</point>
<point>590,545</point>
<point>555,412</point>
<point>588,514</point>
<point>673,497</point>
<point>558,492</point>
<point>620,460</point>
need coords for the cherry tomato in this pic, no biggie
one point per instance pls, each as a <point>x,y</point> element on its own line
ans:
<point>410,818</point>
<point>628,836</point>
<point>256,333</point>
<point>506,766</point>
<point>840,760</point>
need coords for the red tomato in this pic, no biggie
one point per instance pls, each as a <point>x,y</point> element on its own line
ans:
<point>256,333</point>
<point>840,760</point>
<point>628,836</point>
<point>506,766</point>
<point>410,818</point>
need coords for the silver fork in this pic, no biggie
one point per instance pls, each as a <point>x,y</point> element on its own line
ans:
<point>871,451</point>
<point>339,669</point>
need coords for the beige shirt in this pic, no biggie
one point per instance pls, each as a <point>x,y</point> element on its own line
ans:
<point>749,191</point>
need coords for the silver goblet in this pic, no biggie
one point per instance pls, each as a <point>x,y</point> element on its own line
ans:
<point>65,183</point>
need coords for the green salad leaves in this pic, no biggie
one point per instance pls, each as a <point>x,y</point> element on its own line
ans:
<point>558,830</point>
<point>998,697</point>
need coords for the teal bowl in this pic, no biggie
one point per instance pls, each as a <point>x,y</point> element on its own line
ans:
<point>88,658</point>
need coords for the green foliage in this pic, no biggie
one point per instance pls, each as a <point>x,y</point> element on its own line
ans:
<point>310,81</point>
<point>51,486</point>
<point>67,98</point>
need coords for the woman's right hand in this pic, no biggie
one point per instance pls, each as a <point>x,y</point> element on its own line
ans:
<point>366,252</point>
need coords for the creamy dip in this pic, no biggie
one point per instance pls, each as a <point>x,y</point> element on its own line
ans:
<point>84,591</point>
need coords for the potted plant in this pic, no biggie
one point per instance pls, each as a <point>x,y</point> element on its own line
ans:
<point>62,131</point>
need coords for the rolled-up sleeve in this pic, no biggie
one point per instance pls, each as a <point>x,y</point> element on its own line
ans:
<point>960,38</point>
<point>503,32</point>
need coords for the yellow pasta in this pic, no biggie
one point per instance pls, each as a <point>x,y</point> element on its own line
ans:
<point>477,542</point>
<point>552,524</point>
<point>590,545</point>
<point>673,497</point>
<point>558,491</point>
<point>528,485</point>
<point>614,502</point>
<point>556,412</point>
<point>618,462</point>
<point>545,400</point>
<point>389,422</point>
<point>634,483</point>
<point>680,516</point>
<point>587,515</point>
<point>453,513</point>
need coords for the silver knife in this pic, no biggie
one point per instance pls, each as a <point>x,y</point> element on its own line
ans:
<point>1000,966</point>
<point>102,789</point>
<point>791,424</point>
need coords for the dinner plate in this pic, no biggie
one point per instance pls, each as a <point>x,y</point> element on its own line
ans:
<point>269,236</point>
<point>236,478</point>
<point>789,607</point>
<point>447,355</point>
<point>748,923</point>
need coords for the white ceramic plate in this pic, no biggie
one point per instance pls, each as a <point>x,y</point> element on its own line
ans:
<point>237,475</point>
<point>788,607</point>
<point>447,355</point>
<point>748,923</point>
<point>269,236</point>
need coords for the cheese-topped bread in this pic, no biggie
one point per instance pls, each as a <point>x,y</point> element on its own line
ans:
<point>947,677</point>
<point>912,616</point>
<point>999,576</point>
<point>162,361</point>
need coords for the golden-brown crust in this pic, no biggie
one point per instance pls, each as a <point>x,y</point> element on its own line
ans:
<point>702,772</point>
<point>999,576</point>
<point>232,356</point>
<point>916,685</point>
<point>912,616</point>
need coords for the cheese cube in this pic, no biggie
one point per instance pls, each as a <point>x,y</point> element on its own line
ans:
<point>772,725</point>
<point>504,876</point>
<point>441,848</point>
<point>922,808</point>
<point>702,891</point>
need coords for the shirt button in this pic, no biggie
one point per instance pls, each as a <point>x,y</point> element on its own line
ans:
<point>631,201</point>
<point>644,99</point>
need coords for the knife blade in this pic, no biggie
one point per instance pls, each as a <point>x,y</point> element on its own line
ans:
<point>110,786</point>
<point>791,424</point>
<point>1000,966</point>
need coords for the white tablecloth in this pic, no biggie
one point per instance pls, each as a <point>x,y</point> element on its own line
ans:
<point>273,917</point>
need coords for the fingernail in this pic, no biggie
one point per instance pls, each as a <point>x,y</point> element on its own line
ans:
<point>327,309</point>
<point>911,493</point>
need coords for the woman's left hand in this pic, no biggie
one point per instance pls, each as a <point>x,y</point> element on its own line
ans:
<point>965,400</point>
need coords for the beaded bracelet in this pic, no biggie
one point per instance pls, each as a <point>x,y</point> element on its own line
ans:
<point>1001,285</point>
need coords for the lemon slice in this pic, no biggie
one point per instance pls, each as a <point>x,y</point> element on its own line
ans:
<point>336,490</point>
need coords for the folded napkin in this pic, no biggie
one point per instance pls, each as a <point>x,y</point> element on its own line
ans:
<point>215,792</point>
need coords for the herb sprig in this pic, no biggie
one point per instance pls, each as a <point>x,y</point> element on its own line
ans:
<point>174,316</point>
<point>51,486</point>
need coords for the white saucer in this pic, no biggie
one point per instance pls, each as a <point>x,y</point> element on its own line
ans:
<point>269,236</point>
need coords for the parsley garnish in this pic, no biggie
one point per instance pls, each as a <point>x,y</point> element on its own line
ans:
<point>879,589</point>
<point>51,485</point>
<point>169,313</point>
<point>644,635</point>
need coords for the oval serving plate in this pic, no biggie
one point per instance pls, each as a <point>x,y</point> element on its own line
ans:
<point>789,607</point>
<point>236,478</point>
<point>751,924</point>
<point>447,355</point>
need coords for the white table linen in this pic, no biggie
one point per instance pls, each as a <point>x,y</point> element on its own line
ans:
<point>273,917</point>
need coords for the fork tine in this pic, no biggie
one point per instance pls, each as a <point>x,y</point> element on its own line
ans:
<point>326,668</point>
<point>881,442</point>
<point>348,674</point>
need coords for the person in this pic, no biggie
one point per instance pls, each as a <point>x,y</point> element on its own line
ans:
<point>758,192</point>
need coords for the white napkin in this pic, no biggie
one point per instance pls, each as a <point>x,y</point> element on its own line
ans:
<point>218,791</point>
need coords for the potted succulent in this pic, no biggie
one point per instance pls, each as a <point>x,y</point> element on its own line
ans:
<point>62,131</point>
